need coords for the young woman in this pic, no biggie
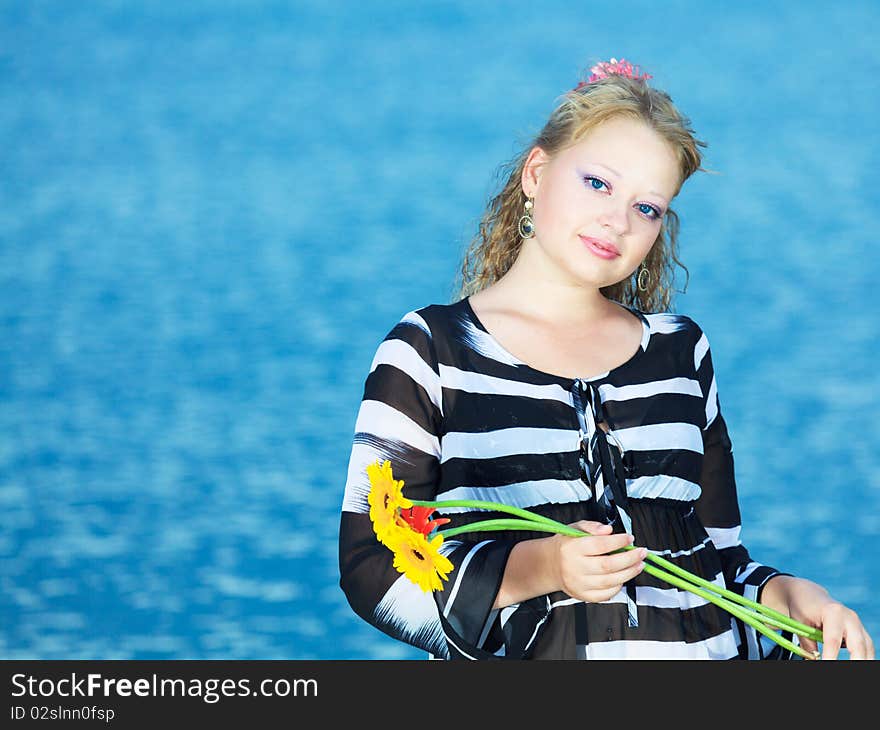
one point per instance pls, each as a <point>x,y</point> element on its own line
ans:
<point>559,382</point>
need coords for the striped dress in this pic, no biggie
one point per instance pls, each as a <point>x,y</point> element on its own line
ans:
<point>459,417</point>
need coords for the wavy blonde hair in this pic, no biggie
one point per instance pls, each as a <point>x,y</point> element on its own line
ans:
<point>495,247</point>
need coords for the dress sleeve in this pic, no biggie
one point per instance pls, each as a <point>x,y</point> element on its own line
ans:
<point>718,507</point>
<point>398,420</point>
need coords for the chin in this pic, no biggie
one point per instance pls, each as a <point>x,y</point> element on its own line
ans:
<point>597,279</point>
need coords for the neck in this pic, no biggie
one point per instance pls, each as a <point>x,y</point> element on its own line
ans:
<point>544,293</point>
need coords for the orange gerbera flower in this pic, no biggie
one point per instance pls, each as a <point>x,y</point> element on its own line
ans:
<point>385,499</point>
<point>419,519</point>
<point>419,559</point>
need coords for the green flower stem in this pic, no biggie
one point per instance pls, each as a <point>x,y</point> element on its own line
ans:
<point>502,524</point>
<point>770,615</point>
<point>774,617</point>
<point>750,617</point>
<point>492,506</point>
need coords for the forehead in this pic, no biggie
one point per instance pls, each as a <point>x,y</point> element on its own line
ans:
<point>631,150</point>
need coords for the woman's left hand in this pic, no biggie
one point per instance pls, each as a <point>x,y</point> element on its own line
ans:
<point>811,604</point>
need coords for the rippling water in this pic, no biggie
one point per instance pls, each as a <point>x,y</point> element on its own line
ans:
<point>211,213</point>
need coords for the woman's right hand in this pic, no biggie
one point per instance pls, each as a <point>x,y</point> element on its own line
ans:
<point>586,571</point>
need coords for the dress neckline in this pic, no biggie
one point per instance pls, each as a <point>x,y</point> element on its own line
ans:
<point>643,346</point>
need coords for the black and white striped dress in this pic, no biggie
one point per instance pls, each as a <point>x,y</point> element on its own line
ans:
<point>459,417</point>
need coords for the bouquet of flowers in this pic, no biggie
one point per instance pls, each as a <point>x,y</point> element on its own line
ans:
<point>408,529</point>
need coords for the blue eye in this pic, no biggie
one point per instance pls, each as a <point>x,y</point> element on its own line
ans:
<point>590,180</point>
<point>651,210</point>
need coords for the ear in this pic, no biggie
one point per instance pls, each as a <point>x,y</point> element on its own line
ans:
<point>531,174</point>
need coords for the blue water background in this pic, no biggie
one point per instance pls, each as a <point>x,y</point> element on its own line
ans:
<point>212,212</point>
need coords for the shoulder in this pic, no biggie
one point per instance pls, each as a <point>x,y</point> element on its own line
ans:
<point>681,333</point>
<point>430,320</point>
<point>695,344</point>
<point>697,334</point>
<point>423,329</point>
<point>673,326</point>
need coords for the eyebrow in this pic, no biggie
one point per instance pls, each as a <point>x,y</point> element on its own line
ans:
<point>617,174</point>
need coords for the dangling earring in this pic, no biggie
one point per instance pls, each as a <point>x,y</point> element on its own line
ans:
<point>526,224</point>
<point>643,271</point>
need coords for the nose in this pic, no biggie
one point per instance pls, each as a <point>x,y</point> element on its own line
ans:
<point>615,217</point>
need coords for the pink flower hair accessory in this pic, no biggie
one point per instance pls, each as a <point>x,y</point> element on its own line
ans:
<point>604,69</point>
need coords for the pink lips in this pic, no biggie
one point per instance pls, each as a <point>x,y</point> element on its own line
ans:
<point>601,248</point>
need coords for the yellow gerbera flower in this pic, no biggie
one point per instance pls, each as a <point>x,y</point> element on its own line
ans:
<point>385,499</point>
<point>420,560</point>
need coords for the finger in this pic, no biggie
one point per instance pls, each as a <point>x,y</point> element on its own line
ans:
<point>612,579</point>
<point>808,645</point>
<point>598,596</point>
<point>832,634</point>
<point>831,648</point>
<point>857,641</point>
<point>855,645</point>
<point>594,528</point>
<point>602,544</point>
<point>609,564</point>
<point>623,576</point>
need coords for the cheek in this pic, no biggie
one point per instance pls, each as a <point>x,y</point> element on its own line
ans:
<point>559,207</point>
<point>543,216</point>
<point>646,236</point>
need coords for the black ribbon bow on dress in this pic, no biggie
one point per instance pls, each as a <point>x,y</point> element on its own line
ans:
<point>602,469</point>
<point>601,461</point>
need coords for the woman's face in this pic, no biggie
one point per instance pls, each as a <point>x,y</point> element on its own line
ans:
<point>614,186</point>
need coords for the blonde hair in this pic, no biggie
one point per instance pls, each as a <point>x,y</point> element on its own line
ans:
<point>495,247</point>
